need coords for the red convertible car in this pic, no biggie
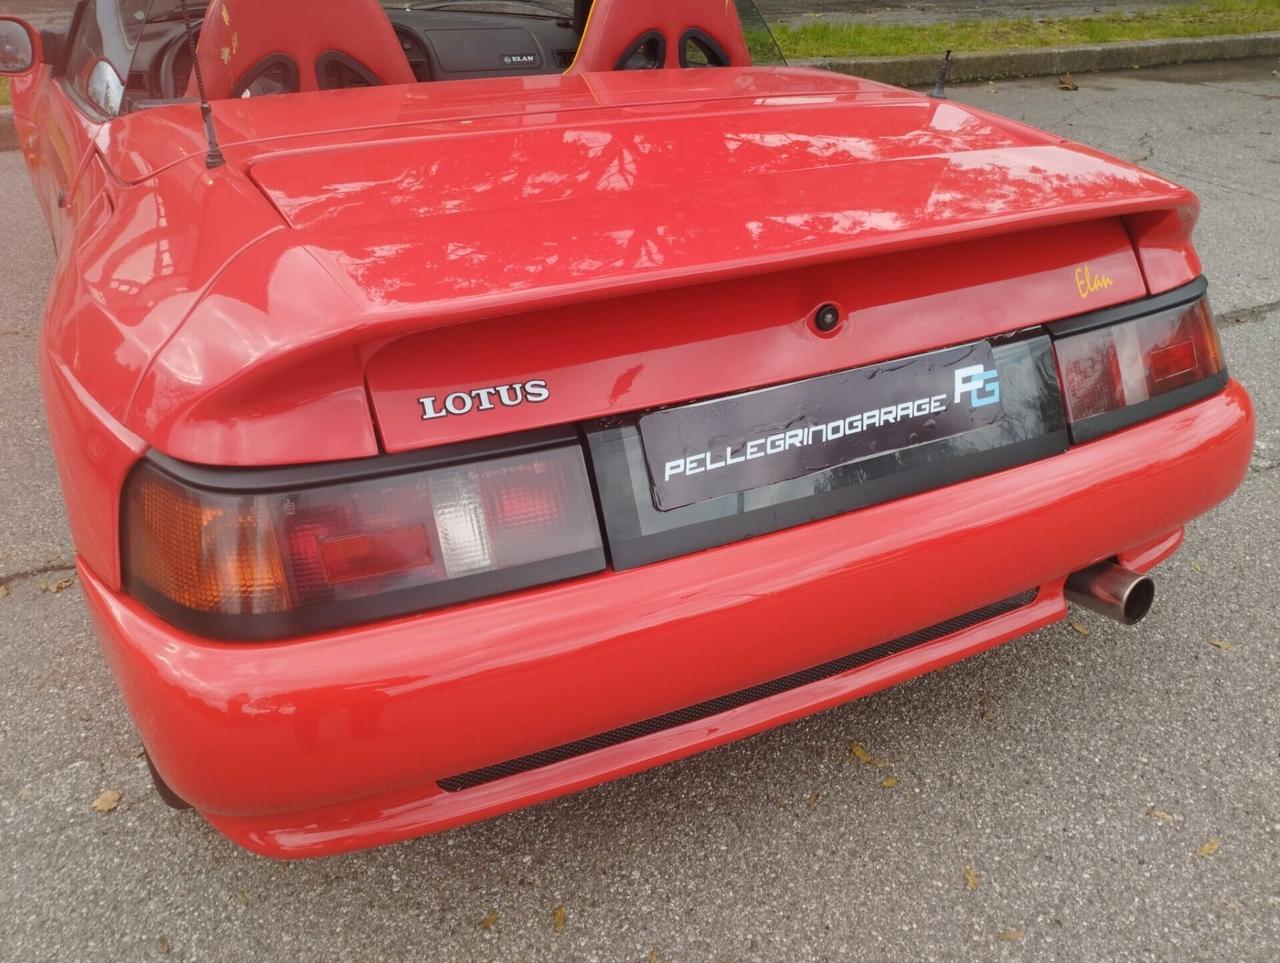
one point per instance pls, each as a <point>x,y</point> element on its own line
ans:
<point>462,403</point>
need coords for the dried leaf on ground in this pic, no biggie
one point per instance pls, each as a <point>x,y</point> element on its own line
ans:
<point>1224,646</point>
<point>242,897</point>
<point>971,877</point>
<point>60,585</point>
<point>1196,566</point>
<point>1080,627</point>
<point>1067,82</point>
<point>1160,814</point>
<point>164,945</point>
<point>984,705</point>
<point>1210,847</point>
<point>25,793</point>
<point>4,591</point>
<point>859,752</point>
<point>107,800</point>
<point>813,798</point>
<point>490,920</point>
<point>1011,936</point>
<point>559,916</point>
<point>888,782</point>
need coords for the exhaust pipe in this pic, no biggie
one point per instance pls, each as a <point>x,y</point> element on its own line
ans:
<point>1112,590</point>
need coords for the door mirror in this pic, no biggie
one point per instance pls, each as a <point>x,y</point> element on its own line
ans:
<point>19,47</point>
<point>105,88</point>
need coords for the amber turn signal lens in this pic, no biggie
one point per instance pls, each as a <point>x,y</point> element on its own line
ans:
<point>204,555</point>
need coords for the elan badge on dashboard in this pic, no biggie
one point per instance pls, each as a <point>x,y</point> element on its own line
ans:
<point>759,438</point>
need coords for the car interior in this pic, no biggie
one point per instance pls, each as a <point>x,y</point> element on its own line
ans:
<point>248,48</point>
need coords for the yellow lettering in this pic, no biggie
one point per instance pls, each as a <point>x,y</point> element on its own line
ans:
<point>1088,283</point>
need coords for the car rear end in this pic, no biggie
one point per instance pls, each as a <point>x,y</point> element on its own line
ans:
<point>616,521</point>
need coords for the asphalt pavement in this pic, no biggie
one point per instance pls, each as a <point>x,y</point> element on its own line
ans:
<point>1089,792</point>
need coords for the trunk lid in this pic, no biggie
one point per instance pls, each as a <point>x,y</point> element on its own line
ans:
<point>629,243</point>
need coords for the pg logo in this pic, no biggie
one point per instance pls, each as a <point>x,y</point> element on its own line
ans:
<point>980,383</point>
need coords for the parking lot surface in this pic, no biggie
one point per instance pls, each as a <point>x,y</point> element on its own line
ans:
<point>1089,792</point>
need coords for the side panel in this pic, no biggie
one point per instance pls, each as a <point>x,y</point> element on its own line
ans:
<point>93,453</point>
<point>55,139</point>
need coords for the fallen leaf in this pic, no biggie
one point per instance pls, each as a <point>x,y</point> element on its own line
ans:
<point>1211,847</point>
<point>559,916</point>
<point>24,793</point>
<point>1011,936</point>
<point>859,752</point>
<point>984,705</point>
<point>4,591</point>
<point>1159,814</point>
<point>1224,646</point>
<point>888,782</point>
<point>60,585</point>
<point>490,920</point>
<point>1196,566</point>
<point>1080,627</point>
<point>164,945</point>
<point>107,800</point>
<point>813,798</point>
<point>1066,82</point>
<point>971,877</point>
<point>242,897</point>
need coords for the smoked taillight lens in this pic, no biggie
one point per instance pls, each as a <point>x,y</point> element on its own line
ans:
<point>1116,375</point>
<point>274,563</point>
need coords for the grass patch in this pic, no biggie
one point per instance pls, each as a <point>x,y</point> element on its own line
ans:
<point>1204,19</point>
<point>4,91</point>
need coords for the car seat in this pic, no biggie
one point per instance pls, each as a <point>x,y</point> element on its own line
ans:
<point>632,35</point>
<point>250,47</point>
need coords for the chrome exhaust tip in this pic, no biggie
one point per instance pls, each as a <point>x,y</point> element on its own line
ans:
<point>1112,590</point>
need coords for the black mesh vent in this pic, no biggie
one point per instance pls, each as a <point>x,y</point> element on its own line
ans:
<point>734,700</point>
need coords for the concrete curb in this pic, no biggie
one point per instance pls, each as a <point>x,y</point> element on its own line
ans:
<point>919,71</point>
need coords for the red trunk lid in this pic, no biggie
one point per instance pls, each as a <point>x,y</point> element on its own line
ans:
<point>631,242</point>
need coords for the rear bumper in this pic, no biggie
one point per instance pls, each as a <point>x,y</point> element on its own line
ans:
<point>337,742</point>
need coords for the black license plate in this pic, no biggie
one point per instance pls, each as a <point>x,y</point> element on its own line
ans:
<point>745,441</point>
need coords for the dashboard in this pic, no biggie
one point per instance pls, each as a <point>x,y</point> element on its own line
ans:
<point>446,45</point>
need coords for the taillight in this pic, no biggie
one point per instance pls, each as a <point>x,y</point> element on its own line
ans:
<point>1122,373</point>
<point>302,558</point>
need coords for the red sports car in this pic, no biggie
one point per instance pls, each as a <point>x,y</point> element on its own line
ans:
<point>464,403</point>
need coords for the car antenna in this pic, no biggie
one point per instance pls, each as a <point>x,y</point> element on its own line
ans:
<point>213,158</point>
<point>944,73</point>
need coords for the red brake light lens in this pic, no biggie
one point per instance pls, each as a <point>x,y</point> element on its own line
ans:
<point>1126,364</point>
<point>276,563</point>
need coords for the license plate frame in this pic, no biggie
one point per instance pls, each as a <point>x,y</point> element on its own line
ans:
<point>752,439</point>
